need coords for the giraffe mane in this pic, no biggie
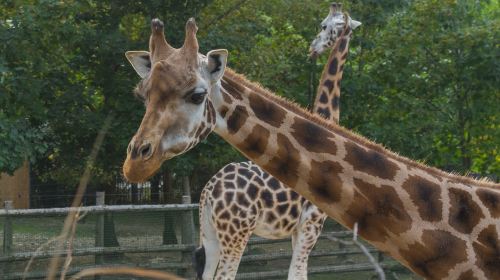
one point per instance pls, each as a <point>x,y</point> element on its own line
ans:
<point>297,109</point>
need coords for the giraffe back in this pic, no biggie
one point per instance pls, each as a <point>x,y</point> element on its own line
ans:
<point>244,196</point>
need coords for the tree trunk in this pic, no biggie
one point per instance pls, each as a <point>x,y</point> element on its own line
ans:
<point>155,189</point>
<point>110,239</point>
<point>186,186</point>
<point>464,133</point>
<point>168,220</point>
<point>134,191</point>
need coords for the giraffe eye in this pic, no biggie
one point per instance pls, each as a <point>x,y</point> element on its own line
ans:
<point>197,97</point>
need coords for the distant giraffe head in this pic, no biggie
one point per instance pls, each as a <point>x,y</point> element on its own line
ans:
<point>331,28</point>
<point>175,87</point>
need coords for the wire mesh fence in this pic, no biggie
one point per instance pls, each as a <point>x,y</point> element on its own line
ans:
<point>163,237</point>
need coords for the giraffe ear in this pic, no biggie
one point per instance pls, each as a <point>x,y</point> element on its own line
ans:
<point>217,60</point>
<point>141,62</point>
<point>355,24</point>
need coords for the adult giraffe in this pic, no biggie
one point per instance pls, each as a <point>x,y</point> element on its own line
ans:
<point>255,202</point>
<point>440,225</point>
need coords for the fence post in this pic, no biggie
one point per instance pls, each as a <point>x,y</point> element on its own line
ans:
<point>99,229</point>
<point>380,257</point>
<point>7,229</point>
<point>187,234</point>
<point>187,223</point>
<point>7,237</point>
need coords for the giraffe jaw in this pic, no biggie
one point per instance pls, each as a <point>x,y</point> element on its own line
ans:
<point>138,171</point>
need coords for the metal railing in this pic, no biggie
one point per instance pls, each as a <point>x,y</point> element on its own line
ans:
<point>184,247</point>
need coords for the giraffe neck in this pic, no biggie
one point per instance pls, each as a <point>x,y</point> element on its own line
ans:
<point>327,102</point>
<point>402,207</point>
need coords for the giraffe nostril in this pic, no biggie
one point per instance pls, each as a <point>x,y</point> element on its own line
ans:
<point>145,150</point>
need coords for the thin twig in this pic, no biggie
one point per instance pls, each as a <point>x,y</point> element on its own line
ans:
<point>395,276</point>
<point>138,272</point>
<point>355,241</point>
<point>378,269</point>
<point>82,186</point>
<point>38,250</point>
<point>46,244</point>
<point>69,254</point>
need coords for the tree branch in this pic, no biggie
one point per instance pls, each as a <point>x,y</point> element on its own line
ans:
<point>225,14</point>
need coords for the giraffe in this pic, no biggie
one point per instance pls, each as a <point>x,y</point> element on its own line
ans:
<point>327,99</point>
<point>440,225</point>
<point>281,212</point>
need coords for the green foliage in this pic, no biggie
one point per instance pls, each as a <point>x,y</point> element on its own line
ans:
<point>17,138</point>
<point>430,80</point>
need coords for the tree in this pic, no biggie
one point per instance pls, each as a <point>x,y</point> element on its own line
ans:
<point>420,78</point>
<point>429,85</point>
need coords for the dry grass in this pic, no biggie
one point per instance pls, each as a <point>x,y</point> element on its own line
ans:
<point>71,219</point>
<point>69,229</point>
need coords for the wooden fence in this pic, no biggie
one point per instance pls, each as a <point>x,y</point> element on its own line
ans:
<point>188,242</point>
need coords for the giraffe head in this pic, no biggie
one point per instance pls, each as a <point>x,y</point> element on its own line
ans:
<point>175,87</point>
<point>331,29</point>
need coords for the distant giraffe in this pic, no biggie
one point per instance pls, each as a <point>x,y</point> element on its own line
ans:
<point>438,224</point>
<point>255,202</point>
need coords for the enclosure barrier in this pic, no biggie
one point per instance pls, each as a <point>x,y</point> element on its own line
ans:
<point>171,257</point>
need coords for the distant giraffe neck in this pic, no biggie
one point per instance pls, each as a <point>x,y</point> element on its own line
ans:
<point>438,224</point>
<point>327,102</point>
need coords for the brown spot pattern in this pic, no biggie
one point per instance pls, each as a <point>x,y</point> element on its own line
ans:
<point>217,190</point>
<point>267,197</point>
<point>233,88</point>
<point>226,97</point>
<point>223,111</point>
<point>229,197</point>
<point>335,102</point>
<point>439,252</point>
<point>323,98</point>
<point>426,196</point>
<point>252,191</point>
<point>256,142</point>
<point>491,200</point>
<point>487,250</point>
<point>464,212</point>
<point>242,200</point>
<point>237,119</point>
<point>324,112</point>
<point>266,110</point>
<point>343,44</point>
<point>378,211</point>
<point>324,180</point>
<point>284,166</point>
<point>329,85</point>
<point>468,275</point>
<point>332,68</point>
<point>371,162</point>
<point>313,137</point>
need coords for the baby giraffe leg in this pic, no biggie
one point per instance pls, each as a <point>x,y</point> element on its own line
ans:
<point>303,241</point>
<point>211,244</point>
<point>232,250</point>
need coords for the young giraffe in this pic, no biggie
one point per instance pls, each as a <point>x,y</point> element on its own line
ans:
<point>278,212</point>
<point>327,101</point>
<point>440,225</point>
